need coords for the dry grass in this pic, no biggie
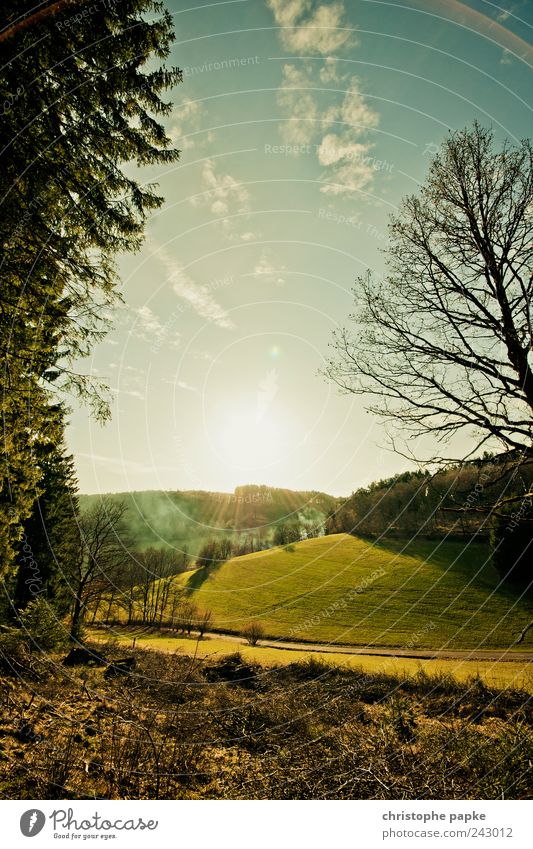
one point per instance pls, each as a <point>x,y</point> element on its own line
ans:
<point>179,727</point>
<point>501,675</point>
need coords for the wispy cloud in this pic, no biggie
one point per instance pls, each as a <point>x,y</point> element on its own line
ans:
<point>349,165</point>
<point>180,384</point>
<point>130,381</point>
<point>223,193</point>
<point>119,463</point>
<point>132,393</point>
<point>307,27</point>
<point>355,110</point>
<point>267,271</point>
<point>506,58</point>
<point>147,325</point>
<point>300,106</point>
<point>187,117</point>
<point>338,132</point>
<point>195,294</point>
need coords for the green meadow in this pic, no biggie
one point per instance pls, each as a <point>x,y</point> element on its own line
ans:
<point>401,594</point>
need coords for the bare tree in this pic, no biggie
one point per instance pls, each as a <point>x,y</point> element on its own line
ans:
<point>253,632</point>
<point>443,343</point>
<point>205,619</point>
<point>102,551</point>
<point>187,617</point>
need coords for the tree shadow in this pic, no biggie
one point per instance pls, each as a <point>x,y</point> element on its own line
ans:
<point>199,576</point>
<point>481,573</point>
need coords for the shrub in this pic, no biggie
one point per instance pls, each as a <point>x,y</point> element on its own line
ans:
<point>41,627</point>
<point>253,632</point>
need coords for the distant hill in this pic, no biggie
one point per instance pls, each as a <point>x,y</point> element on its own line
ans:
<point>340,588</point>
<point>185,519</point>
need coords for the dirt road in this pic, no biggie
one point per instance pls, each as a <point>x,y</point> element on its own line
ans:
<point>382,651</point>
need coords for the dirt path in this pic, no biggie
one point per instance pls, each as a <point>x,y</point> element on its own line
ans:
<point>491,655</point>
<point>379,651</point>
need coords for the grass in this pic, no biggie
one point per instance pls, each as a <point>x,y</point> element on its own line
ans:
<point>224,727</point>
<point>339,588</point>
<point>513,674</point>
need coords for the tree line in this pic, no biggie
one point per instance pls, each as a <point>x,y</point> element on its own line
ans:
<point>457,501</point>
<point>215,551</point>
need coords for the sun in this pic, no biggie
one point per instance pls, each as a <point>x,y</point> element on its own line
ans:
<point>249,440</point>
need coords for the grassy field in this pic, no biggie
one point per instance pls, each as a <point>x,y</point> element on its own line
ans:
<point>419,594</point>
<point>512,674</point>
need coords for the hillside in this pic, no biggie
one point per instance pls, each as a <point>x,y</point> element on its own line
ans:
<point>185,519</point>
<point>338,588</point>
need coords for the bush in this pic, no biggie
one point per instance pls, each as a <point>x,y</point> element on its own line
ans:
<point>13,651</point>
<point>253,632</point>
<point>41,627</point>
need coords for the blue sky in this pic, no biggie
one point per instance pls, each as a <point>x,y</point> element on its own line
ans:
<point>301,124</point>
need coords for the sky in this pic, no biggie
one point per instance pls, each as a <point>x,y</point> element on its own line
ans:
<point>302,124</point>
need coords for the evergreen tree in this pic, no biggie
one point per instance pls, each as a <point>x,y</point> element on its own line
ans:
<point>511,539</point>
<point>51,534</point>
<point>82,99</point>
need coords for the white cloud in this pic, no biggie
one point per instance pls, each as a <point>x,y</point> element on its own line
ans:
<point>306,27</point>
<point>350,168</point>
<point>344,154</point>
<point>356,111</point>
<point>347,178</point>
<point>196,295</point>
<point>336,148</point>
<point>267,271</point>
<point>147,324</point>
<point>328,71</point>
<point>182,384</point>
<point>115,462</point>
<point>310,27</point>
<point>132,393</point>
<point>248,236</point>
<point>287,12</point>
<point>300,106</point>
<point>186,120</point>
<point>223,192</point>
<point>506,57</point>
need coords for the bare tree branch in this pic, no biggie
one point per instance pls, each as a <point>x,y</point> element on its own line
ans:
<point>443,344</point>
<point>38,17</point>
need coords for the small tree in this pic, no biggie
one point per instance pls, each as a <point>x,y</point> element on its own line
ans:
<point>205,619</point>
<point>102,551</point>
<point>187,617</point>
<point>253,632</point>
<point>281,536</point>
<point>42,627</point>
